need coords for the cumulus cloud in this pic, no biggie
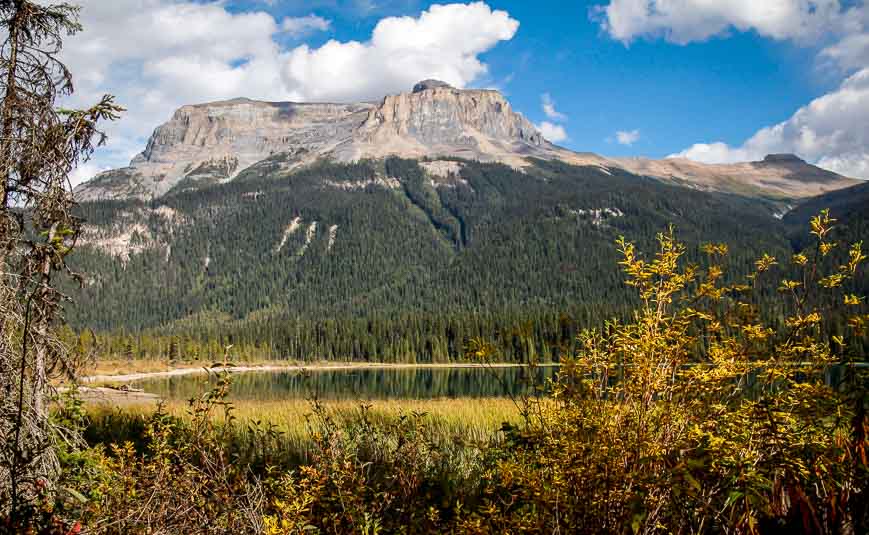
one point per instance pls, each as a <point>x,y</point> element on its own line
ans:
<point>852,52</point>
<point>444,42</point>
<point>832,130</point>
<point>156,55</point>
<point>683,21</point>
<point>627,137</point>
<point>552,132</point>
<point>84,171</point>
<point>549,108</point>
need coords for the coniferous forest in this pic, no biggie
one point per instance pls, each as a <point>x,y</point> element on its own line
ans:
<point>403,273</point>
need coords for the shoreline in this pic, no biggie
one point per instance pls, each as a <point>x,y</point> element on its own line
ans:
<point>138,376</point>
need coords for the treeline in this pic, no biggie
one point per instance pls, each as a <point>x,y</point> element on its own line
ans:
<point>518,335</point>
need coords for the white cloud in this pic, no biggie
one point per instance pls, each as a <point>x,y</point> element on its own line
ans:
<point>549,108</point>
<point>841,27</point>
<point>683,21</point>
<point>852,52</point>
<point>444,42</point>
<point>832,130</point>
<point>156,55</point>
<point>717,152</point>
<point>627,137</point>
<point>552,132</point>
<point>299,26</point>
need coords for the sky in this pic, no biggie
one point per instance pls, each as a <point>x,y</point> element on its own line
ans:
<point>714,81</point>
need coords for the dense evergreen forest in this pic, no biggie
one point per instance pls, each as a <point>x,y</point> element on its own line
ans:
<point>382,261</point>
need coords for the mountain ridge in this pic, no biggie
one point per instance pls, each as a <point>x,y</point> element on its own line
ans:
<point>210,143</point>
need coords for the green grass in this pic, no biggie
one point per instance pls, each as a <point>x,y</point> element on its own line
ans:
<point>279,432</point>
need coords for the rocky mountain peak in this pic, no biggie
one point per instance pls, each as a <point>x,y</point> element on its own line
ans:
<point>430,84</point>
<point>473,123</point>
<point>210,143</point>
<point>783,158</point>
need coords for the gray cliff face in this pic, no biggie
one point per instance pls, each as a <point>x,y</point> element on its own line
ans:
<point>429,84</point>
<point>210,143</point>
<point>443,116</point>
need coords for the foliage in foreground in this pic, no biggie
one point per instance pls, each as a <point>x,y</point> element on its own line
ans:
<point>698,416</point>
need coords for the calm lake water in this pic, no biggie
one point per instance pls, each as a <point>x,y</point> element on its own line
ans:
<point>384,383</point>
<point>361,384</point>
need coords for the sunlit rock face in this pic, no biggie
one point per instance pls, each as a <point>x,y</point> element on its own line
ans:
<point>210,143</point>
<point>436,119</point>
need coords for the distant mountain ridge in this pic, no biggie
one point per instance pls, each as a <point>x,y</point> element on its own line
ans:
<point>777,176</point>
<point>206,144</point>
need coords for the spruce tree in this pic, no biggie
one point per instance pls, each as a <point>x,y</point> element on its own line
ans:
<point>40,145</point>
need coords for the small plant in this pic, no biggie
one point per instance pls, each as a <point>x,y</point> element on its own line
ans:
<point>186,481</point>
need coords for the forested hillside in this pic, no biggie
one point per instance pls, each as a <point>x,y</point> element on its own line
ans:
<point>850,206</point>
<point>390,259</point>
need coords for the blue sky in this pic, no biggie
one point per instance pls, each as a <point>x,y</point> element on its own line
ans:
<point>723,81</point>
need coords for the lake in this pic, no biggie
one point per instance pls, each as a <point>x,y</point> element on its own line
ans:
<point>361,383</point>
<point>381,383</point>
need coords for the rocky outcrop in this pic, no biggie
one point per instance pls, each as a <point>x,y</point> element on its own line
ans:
<point>776,177</point>
<point>783,158</point>
<point>439,120</point>
<point>211,143</point>
<point>429,84</point>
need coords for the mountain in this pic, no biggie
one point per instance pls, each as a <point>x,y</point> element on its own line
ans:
<point>777,176</point>
<point>849,205</point>
<point>212,143</point>
<point>395,231</point>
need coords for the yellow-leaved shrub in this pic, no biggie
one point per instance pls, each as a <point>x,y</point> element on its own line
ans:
<point>705,412</point>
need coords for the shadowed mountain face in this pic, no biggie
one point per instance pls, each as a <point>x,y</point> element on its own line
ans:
<point>850,208</point>
<point>207,144</point>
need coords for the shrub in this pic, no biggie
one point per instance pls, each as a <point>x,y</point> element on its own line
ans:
<point>697,416</point>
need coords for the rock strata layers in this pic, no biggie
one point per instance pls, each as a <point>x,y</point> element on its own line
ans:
<point>211,143</point>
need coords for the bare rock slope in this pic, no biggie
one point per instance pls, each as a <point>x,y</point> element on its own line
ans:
<point>778,176</point>
<point>211,143</point>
